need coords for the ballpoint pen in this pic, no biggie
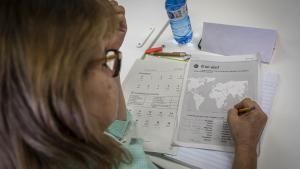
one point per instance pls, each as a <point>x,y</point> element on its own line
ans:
<point>170,54</point>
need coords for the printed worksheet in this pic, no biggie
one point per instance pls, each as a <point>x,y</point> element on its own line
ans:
<point>212,85</point>
<point>152,90</point>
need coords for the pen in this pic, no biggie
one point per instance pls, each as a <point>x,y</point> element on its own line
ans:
<point>153,50</point>
<point>170,54</point>
<point>245,110</point>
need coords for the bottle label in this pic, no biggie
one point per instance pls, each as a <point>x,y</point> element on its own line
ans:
<point>178,14</point>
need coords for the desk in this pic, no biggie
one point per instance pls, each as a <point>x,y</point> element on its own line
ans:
<point>280,147</point>
<point>141,15</point>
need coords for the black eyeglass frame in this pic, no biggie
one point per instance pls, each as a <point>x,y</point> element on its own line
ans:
<point>116,56</point>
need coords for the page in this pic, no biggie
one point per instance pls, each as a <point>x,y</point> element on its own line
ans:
<point>212,85</point>
<point>238,40</point>
<point>269,89</point>
<point>202,159</point>
<point>152,91</point>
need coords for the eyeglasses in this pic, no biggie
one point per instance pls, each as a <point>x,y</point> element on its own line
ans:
<point>112,60</point>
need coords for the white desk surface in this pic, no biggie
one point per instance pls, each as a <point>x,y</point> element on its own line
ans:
<point>141,15</point>
<point>281,143</point>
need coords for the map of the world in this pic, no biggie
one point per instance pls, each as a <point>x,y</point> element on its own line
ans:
<point>221,93</point>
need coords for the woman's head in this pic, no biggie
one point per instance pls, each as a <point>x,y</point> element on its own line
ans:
<point>53,101</point>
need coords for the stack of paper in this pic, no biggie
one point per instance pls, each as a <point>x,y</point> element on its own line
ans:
<point>152,90</point>
<point>199,158</point>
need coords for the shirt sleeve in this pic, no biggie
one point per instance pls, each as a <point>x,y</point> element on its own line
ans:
<point>134,146</point>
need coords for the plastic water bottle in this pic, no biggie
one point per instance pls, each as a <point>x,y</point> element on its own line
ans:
<point>179,20</point>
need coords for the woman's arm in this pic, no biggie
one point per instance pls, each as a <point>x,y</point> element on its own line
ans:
<point>246,130</point>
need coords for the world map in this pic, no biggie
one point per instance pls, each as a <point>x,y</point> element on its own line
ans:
<point>220,92</point>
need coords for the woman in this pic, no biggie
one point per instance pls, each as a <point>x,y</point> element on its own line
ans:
<point>56,86</point>
<point>60,89</point>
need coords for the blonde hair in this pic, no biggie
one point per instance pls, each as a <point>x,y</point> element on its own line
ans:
<point>45,47</point>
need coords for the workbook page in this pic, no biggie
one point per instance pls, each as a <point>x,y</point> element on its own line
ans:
<point>212,85</point>
<point>152,91</point>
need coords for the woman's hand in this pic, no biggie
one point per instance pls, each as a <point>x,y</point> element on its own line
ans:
<point>118,38</point>
<point>246,128</point>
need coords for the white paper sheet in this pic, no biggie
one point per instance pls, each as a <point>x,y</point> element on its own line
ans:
<point>152,90</point>
<point>269,89</point>
<point>212,85</point>
<point>237,40</point>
